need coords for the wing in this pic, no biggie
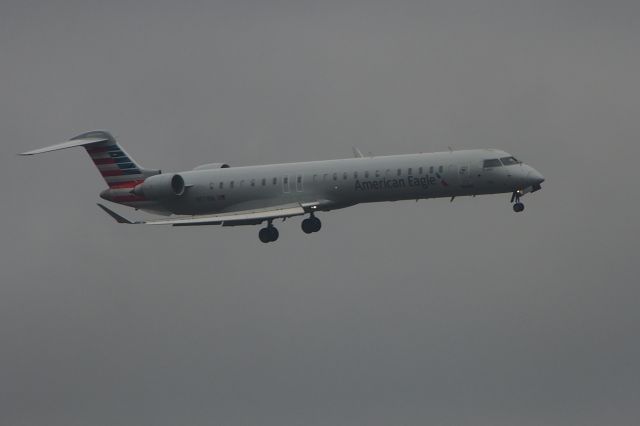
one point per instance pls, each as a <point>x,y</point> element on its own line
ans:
<point>244,217</point>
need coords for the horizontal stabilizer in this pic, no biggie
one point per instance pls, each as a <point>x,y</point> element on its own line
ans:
<point>64,145</point>
<point>115,215</point>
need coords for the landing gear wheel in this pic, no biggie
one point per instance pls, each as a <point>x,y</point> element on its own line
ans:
<point>311,224</point>
<point>307,226</point>
<point>264,235</point>
<point>273,233</point>
<point>518,207</point>
<point>268,234</point>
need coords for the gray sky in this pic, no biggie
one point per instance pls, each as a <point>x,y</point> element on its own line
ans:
<point>397,313</point>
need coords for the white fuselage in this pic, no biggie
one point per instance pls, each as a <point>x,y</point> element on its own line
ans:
<point>344,182</point>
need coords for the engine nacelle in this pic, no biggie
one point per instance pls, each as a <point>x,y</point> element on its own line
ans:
<point>161,187</point>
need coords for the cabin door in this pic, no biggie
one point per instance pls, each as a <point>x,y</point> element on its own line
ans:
<point>464,175</point>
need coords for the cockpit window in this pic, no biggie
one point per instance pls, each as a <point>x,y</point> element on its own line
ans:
<point>494,162</point>
<point>507,161</point>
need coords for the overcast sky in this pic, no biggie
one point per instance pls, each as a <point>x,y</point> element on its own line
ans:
<point>402,313</point>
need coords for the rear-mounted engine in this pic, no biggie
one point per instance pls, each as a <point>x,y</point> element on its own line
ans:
<point>161,187</point>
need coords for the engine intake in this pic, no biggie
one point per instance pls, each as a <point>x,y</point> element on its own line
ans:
<point>161,187</point>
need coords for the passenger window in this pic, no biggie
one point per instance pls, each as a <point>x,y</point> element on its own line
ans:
<point>253,182</point>
<point>344,176</point>
<point>377,173</point>
<point>409,172</point>
<point>335,176</point>
<point>264,181</point>
<point>420,171</point>
<point>211,185</point>
<point>299,179</point>
<point>231,184</point>
<point>221,185</point>
<point>325,177</point>
<point>431,169</point>
<point>366,174</point>
<point>315,178</point>
<point>275,181</point>
<point>494,162</point>
<point>355,175</point>
<point>399,172</point>
<point>440,169</point>
<point>285,180</point>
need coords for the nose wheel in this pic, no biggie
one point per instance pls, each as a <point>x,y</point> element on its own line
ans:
<point>311,224</point>
<point>268,234</point>
<point>518,206</point>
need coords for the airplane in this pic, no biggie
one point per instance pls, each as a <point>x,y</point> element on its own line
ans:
<point>217,194</point>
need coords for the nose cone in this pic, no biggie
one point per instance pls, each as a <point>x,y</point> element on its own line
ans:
<point>535,177</point>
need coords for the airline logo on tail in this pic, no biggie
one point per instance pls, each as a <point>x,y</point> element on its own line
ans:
<point>115,166</point>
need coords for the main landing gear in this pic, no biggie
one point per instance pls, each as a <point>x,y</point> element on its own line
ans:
<point>268,234</point>
<point>311,224</point>
<point>518,206</point>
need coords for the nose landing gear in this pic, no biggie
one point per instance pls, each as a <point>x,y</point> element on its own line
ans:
<point>518,206</point>
<point>311,224</point>
<point>268,234</point>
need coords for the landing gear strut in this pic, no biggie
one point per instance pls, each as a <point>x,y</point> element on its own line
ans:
<point>268,234</point>
<point>518,206</point>
<point>311,224</point>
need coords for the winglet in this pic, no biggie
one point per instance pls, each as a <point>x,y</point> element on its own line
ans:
<point>115,215</point>
<point>357,153</point>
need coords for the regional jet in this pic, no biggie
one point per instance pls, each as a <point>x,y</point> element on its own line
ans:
<point>217,194</point>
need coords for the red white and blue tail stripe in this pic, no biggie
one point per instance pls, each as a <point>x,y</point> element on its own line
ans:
<point>116,167</point>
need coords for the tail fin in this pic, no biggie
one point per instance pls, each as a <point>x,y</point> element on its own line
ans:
<point>117,167</point>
